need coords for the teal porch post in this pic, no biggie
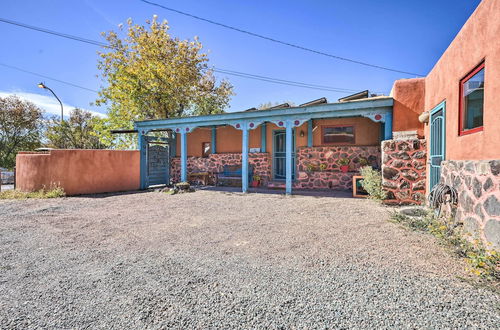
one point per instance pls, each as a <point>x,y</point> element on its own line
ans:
<point>263,137</point>
<point>143,160</point>
<point>173,149</point>
<point>244,160</point>
<point>214,139</point>
<point>388,126</point>
<point>183,156</point>
<point>310,133</point>
<point>288,163</point>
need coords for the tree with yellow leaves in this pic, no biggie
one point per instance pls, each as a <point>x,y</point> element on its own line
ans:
<point>151,75</point>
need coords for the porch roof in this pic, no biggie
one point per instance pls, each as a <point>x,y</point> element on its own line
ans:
<point>375,108</point>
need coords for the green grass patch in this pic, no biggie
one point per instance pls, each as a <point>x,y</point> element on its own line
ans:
<point>481,261</point>
<point>55,192</point>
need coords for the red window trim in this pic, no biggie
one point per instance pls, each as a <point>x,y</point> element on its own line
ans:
<point>337,143</point>
<point>461,116</point>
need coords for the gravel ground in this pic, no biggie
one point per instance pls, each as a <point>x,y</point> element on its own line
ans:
<point>226,260</point>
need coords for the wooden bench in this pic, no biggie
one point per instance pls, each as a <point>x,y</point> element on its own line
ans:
<point>232,173</point>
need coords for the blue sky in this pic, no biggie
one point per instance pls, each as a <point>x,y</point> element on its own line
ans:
<point>405,35</point>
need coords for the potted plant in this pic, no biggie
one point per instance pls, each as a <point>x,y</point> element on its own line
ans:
<point>255,181</point>
<point>344,164</point>
<point>363,162</point>
<point>310,167</point>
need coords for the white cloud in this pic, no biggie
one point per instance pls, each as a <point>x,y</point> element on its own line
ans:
<point>47,103</point>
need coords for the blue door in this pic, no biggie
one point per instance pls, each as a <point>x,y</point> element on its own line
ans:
<point>279,155</point>
<point>437,141</point>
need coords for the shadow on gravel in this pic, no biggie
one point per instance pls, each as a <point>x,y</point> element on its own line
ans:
<point>105,195</point>
<point>315,193</point>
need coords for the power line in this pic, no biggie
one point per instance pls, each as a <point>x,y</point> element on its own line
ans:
<point>284,82</point>
<point>224,71</point>
<point>253,34</point>
<point>59,34</point>
<point>48,77</point>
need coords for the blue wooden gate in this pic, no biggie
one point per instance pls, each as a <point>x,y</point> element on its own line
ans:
<point>158,162</point>
<point>438,142</point>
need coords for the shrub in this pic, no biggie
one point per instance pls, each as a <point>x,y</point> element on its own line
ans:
<point>372,183</point>
<point>54,192</point>
<point>483,262</point>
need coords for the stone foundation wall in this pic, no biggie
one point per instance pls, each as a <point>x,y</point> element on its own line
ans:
<point>325,180</point>
<point>261,163</point>
<point>404,171</point>
<point>311,176</point>
<point>478,187</point>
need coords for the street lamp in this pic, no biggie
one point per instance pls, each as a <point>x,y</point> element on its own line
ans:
<point>42,85</point>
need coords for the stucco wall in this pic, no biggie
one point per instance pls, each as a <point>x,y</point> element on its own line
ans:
<point>409,99</point>
<point>79,171</point>
<point>478,39</point>
<point>367,133</point>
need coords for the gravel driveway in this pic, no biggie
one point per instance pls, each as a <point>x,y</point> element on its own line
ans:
<point>226,260</point>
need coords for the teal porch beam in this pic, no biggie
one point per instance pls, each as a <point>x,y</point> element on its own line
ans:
<point>310,133</point>
<point>244,160</point>
<point>288,159</point>
<point>332,110</point>
<point>214,139</point>
<point>183,156</point>
<point>263,137</point>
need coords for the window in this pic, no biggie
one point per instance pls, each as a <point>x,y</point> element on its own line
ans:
<point>206,149</point>
<point>471,101</point>
<point>338,135</point>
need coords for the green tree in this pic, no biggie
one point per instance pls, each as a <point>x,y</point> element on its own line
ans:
<point>21,125</point>
<point>149,74</point>
<point>79,132</point>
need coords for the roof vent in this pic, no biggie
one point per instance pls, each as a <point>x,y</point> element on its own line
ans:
<point>314,102</point>
<point>361,95</point>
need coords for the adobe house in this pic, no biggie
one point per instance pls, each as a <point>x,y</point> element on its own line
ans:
<point>444,127</point>
<point>289,147</point>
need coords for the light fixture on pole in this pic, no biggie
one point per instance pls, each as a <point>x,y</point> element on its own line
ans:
<point>42,85</point>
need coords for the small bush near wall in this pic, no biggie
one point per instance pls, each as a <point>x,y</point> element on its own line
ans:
<point>372,183</point>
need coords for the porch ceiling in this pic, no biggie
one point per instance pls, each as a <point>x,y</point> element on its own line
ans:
<point>375,108</point>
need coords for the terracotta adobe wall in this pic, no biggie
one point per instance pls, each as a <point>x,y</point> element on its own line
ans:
<point>478,40</point>
<point>403,171</point>
<point>409,103</point>
<point>478,187</point>
<point>229,138</point>
<point>79,171</point>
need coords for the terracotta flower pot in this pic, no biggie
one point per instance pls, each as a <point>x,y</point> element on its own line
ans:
<point>344,168</point>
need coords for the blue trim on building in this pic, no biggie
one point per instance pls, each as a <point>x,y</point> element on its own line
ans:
<point>377,109</point>
<point>310,133</point>
<point>263,137</point>
<point>214,139</point>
